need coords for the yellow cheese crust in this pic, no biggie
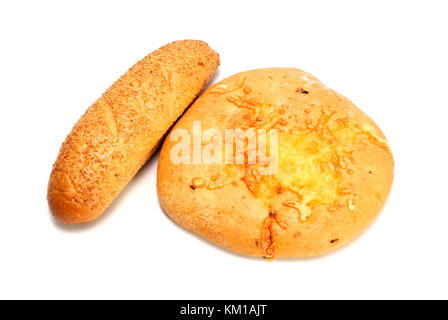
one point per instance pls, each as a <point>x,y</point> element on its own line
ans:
<point>120,131</point>
<point>335,168</point>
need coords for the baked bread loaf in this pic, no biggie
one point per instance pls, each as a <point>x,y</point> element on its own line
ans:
<point>334,167</point>
<point>121,130</point>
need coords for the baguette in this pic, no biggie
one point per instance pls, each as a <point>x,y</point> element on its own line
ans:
<point>120,131</point>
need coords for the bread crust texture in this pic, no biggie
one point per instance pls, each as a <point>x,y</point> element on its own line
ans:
<point>119,132</point>
<point>335,168</point>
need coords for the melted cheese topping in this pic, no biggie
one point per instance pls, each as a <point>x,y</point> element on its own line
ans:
<point>306,169</point>
<point>310,165</point>
<point>310,160</point>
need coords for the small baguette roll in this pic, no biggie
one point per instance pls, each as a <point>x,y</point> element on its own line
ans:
<point>121,130</point>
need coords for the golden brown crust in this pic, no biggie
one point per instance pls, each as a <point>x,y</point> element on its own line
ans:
<point>335,168</point>
<point>120,131</point>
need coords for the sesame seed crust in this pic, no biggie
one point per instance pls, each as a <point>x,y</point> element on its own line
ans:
<point>119,132</point>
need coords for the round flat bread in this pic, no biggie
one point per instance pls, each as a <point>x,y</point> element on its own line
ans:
<point>272,163</point>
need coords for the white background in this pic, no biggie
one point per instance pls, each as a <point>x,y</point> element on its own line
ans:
<point>56,58</point>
